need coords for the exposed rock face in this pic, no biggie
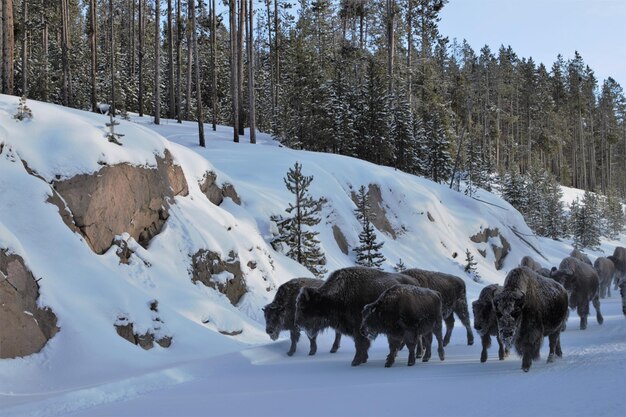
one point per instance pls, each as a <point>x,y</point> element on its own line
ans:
<point>214,193</point>
<point>24,327</point>
<point>122,198</point>
<point>379,219</point>
<point>125,328</point>
<point>208,268</point>
<point>340,238</point>
<point>500,251</point>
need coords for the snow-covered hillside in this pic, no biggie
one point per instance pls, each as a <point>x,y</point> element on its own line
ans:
<point>88,368</point>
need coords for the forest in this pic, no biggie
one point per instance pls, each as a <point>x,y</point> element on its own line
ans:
<point>370,79</point>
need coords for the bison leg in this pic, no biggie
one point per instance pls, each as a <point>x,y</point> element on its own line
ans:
<point>361,344</point>
<point>419,349</point>
<point>463,314</point>
<point>583,312</point>
<point>437,331</point>
<point>295,336</point>
<point>394,346</point>
<point>554,342</point>
<point>428,341</point>
<point>411,347</point>
<point>336,343</point>
<point>527,361</point>
<point>502,351</point>
<point>486,342</point>
<point>313,345</point>
<point>449,326</point>
<point>596,305</point>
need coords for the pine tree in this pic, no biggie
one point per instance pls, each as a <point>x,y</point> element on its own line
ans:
<point>23,111</point>
<point>513,190</point>
<point>556,224</point>
<point>439,159</point>
<point>111,135</point>
<point>470,266</point>
<point>400,266</point>
<point>368,252</point>
<point>294,231</point>
<point>585,221</point>
<point>615,218</point>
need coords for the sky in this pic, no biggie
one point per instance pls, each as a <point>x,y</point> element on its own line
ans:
<point>542,29</point>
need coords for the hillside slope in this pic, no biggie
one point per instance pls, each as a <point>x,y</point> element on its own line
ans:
<point>427,225</point>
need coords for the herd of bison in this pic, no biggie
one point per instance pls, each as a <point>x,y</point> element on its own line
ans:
<point>409,307</point>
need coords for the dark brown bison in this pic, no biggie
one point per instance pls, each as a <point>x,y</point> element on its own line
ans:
<point>338,303</point>
<point>453,298</point>
<point>619,260</point>
<point>529,262</point>
<point>583,286</point>
<point>528,308</point>
<point>605,269</point>
<point>280,314</point>
<point>406,314</point>
<point>485,321</point>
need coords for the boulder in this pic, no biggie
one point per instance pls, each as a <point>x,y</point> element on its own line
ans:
<point>341,240</point>
<point>379,214</point>
<point>26,327</point>
<point>499,251</point>
<point>214,193</point>
<point>122,198</point>
<point>224,276</point>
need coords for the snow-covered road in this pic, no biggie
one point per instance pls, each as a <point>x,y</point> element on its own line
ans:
<point>263,381</point>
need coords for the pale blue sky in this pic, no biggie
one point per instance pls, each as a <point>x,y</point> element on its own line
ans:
<point>544,28</point>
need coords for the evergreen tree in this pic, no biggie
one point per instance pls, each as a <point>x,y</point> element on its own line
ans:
<point>470,266</point>
<point>585,222</point>
<point>439,160</point>
<point>513,190</point>
<point>614,216</point>
<point>23,111</point>
<point>368,252</point>
<point>555,221</point>
<point>295,230</point>
<point>400,266</point>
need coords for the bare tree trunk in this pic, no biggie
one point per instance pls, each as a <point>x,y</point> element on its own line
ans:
<point>45,42</point>
<point>179,59</point>
<point>189,67</point>
<point>24,48</point>
<point>94,56</point>
<point>214,64</point>
<point>170,62</point>
<point>409,61</point>
<point>194,36</point>
<point>157,62</point>
<point>8,47</point>
<point>272,51</point>
<point>276,53</point>
<point>391,40</point>
<point>240,50</point>
<point>140,69</point>
<point>131,70</point>
<point>251,95</point>
<point>64,53</point>
<point>112,57</point>
<point>2,46</point>
<point>233,68</point>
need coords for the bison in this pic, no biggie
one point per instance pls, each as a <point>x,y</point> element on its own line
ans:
<point>529,262</point>
<point>453,298</point>
<point>528,308</point>
<point>605,269</point>
<point>338,303</point>
<point>485,321</point>
<point>580,256</point>
<point>280,314</point>
<point>619,260</point>
<point>583,286</point>
<point>622,290</point>
<point>406,314</point>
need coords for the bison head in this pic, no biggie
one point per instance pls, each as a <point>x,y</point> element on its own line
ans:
<point>508,306</point>
<point>370,317</point>
<point>483,314</point>
<point>274,319</point>
<point>310,311</point>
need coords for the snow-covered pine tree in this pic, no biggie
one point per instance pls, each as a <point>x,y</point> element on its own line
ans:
<point>400,266</point>
<point>111,135</point>
<point>421,147</point>
<point>536,193</point>
<point>513,190</point>
<point>585,221</point>
<point>614,217</point>
<point>475,173</point>
<point>555,221</point>
<point>23,111</point>
<point>368,252</point>
<point>406,156</point>
<point>294,231</point>
<point>470,266</point>
<point>439,159</point>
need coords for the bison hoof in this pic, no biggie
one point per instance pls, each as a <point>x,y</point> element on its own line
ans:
<point>291,352</point>
<point>388,364</point>
<point>411,363</point>
<point>483,358</point>
<point>312,353</point>
<point>470,342</point>
<point>600,320</point>
<point>334,349</point>
<point>550,358</point>
<point>357,362</point>
<point>526,368</point>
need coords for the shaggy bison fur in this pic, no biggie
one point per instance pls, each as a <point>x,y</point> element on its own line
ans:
<point>338,303</point>
<point>280,314</point>
<point>529,262</point>
<point>580,256</point>
<point>619,260</point>
<point>406,314</point>
<point>485,321</point>
<point>453,298</point>
<point>528,308</point>
<point>605,269</point>
<point>583,286</point>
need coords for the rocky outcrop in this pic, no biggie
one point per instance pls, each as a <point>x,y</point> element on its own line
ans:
<point>125,329</point>
<point>122,198</point>
<point>224,276</point>
<point>341,240</point>
<point>500,251</point>
<point>379,214</point>
<point>25,328</point>
<point>214,193</point>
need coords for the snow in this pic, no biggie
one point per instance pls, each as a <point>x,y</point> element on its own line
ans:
<point>87,369</point>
